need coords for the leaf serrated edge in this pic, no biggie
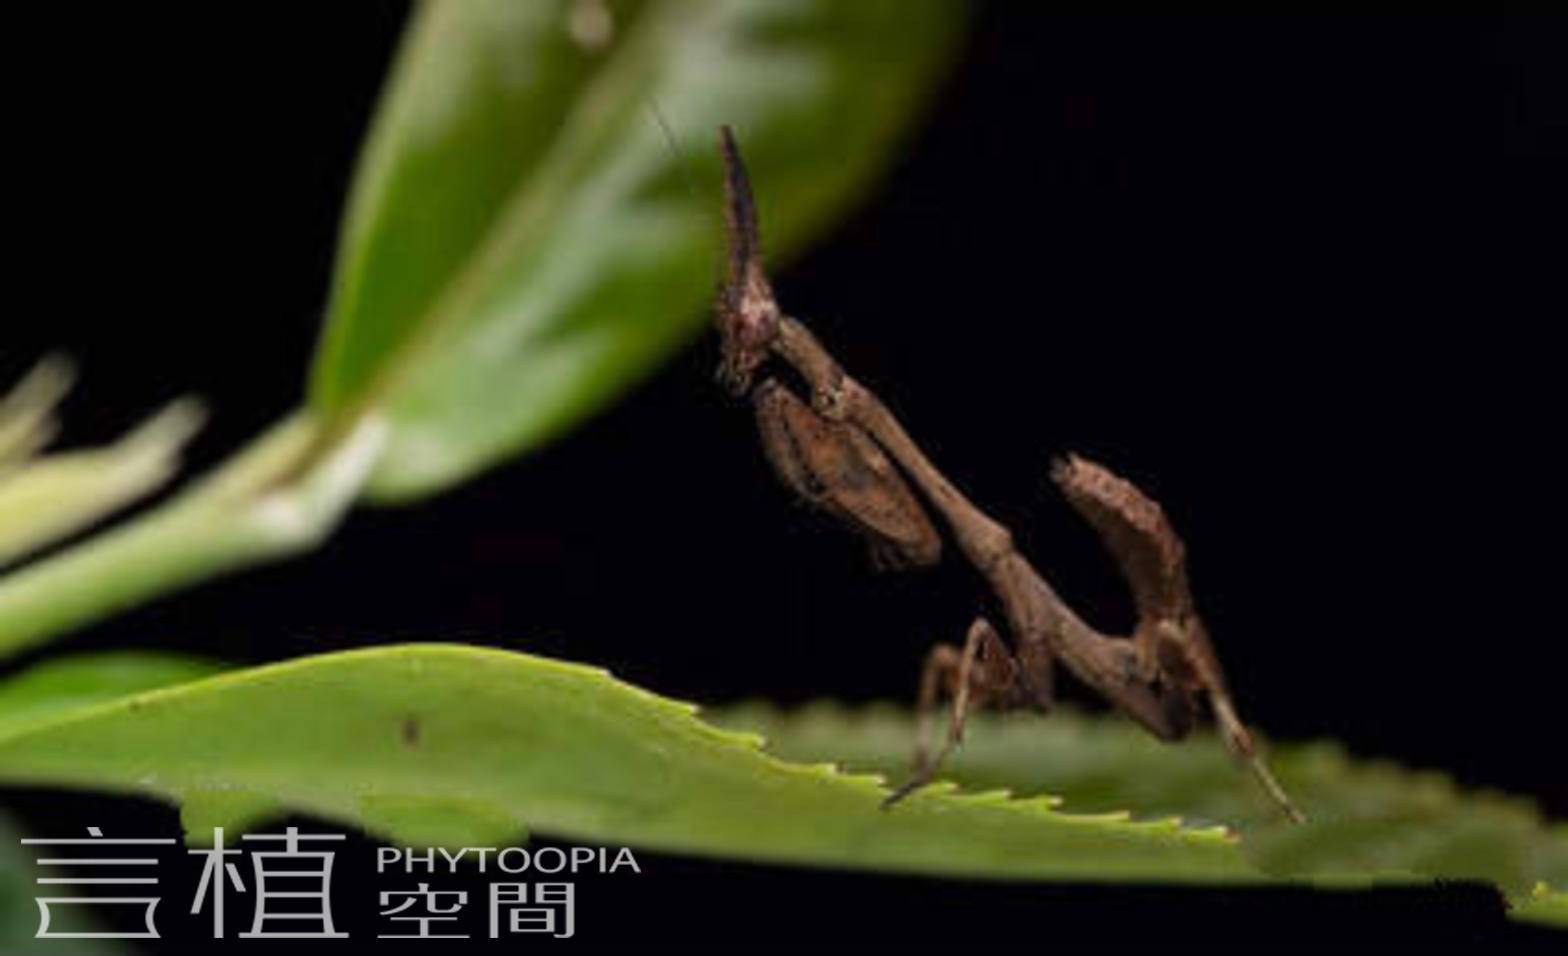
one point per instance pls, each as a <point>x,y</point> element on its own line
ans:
<point>414,655</point>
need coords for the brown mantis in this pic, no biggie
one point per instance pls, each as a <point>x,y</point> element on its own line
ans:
<point>846,454</point>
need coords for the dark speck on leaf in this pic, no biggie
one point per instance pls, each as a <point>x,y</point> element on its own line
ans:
<point>411,732</point>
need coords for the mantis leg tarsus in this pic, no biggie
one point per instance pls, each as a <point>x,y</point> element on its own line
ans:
<point>982,673</point>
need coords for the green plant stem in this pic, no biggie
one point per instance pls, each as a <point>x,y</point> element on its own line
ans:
<point>258,506</point>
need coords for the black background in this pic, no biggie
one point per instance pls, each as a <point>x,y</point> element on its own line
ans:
<point>1292,276</point>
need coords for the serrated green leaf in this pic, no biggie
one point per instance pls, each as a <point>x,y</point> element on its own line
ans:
<point>524,241</point>
<point>426,743</point>
<point>452,745</point>
<point>1366,816</point>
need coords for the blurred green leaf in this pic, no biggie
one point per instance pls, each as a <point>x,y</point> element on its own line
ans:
<point>46,499</point>
<point>1545,907</point>
<point>524,241</point>
<point>67,683</point>
<point>454,745</point>
<point>27,412</point>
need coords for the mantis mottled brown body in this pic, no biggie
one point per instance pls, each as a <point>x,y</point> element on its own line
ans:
<point>845,453</point>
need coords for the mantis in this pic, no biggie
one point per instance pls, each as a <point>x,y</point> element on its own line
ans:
<point>843,452</point>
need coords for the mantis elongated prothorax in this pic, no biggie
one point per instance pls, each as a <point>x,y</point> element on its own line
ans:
<point>845,453</point>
